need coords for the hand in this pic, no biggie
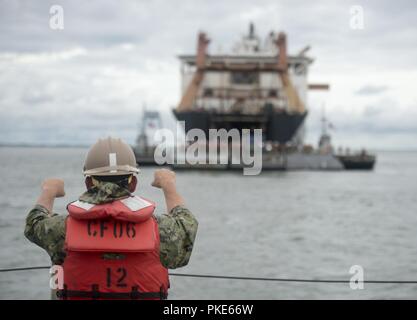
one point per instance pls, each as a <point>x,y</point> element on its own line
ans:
<point>54,186</point>
<point>163,178</point>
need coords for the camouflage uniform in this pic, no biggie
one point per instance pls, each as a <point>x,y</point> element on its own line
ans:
<point>177,229</point>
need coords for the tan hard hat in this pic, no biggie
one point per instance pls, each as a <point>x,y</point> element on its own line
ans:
<point>110,157</point>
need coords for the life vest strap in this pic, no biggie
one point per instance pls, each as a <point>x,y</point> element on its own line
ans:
<point>135,294</point>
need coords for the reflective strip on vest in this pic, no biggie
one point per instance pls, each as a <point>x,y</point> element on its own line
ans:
<point>83,205</point>
<point>136,203</point>
<point>134,209</point>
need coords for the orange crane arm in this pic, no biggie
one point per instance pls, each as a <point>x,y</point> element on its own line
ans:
<point>190,94</point>
<point>294,102</point>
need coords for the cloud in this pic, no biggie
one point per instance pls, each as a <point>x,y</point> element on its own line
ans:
<point>370,90</point>
<point>59,97</point>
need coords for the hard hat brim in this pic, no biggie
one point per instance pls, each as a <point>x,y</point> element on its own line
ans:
<point>119,170</point>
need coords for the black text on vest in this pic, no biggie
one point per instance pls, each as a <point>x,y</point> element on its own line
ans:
<point>114,228</point>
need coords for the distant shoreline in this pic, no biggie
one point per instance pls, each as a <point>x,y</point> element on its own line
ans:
<point>18,145</point>
<point>83,146</point>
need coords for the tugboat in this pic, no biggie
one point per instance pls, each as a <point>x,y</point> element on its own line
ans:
<point>360,161</point>
<point>145,146</point>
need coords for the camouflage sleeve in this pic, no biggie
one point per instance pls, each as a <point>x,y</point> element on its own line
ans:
<point>47,231</point>
<point>177,232</point>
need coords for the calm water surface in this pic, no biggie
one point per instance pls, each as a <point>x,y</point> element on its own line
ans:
<point>278,224</point>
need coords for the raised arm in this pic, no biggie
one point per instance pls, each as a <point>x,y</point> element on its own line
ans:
<point>51,189</point>
<point>177,228</point>
<point>165,179</point>
<point>45,228</point>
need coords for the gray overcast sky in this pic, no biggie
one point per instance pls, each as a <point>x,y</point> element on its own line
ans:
<point>91,79</point>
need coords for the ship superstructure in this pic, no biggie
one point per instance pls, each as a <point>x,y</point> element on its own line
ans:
<point>258,85</point>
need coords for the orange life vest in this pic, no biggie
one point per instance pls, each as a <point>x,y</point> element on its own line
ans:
<point>113,252</point>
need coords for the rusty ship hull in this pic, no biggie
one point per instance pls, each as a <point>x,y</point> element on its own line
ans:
<point>276,126</point>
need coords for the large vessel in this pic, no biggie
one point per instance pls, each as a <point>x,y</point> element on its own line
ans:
<point>256,86</point>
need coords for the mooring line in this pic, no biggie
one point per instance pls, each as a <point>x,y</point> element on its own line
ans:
<point>212,276</point>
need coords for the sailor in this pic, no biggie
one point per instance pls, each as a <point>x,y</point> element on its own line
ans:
<point>111,245</point>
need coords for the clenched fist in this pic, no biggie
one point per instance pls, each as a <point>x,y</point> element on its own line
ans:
<point>163,178</point>
<point>54,186</point>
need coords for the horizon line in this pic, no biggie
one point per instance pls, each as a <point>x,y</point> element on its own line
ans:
<point>68,145</point>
